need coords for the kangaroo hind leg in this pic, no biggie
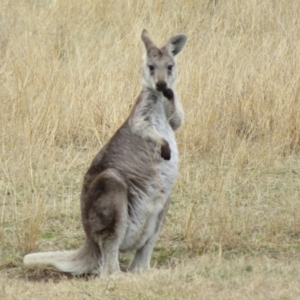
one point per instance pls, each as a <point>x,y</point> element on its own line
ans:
<point>142,257</point>
<point>106,216</point>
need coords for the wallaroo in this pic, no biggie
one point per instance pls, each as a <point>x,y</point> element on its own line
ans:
<point>126,191</point>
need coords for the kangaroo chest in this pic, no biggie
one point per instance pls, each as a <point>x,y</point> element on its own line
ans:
<point>145,204</point>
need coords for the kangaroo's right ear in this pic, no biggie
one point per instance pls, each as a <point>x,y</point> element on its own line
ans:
<point>176,44</point>
<point>147,41</point>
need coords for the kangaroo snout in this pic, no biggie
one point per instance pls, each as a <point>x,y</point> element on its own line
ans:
<point>161,86</point>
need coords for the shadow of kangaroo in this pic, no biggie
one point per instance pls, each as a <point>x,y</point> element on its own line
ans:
<point>126,191</point>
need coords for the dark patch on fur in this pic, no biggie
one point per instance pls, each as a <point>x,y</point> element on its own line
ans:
<point>165,151</point>
<point>129,210</point>
<point>169,94</point>
<point>152,97</point>
<point>161,216</point>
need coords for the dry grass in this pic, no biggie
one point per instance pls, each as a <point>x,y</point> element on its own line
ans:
<point>201,279</point>
<point>69,74</point>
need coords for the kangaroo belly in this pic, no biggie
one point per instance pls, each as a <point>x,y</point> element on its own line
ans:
<point>145,206</point>
<point>141,225</point>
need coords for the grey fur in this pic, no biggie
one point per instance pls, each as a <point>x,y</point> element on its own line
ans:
<point>126,190</point>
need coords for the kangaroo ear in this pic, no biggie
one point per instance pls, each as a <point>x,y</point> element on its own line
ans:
<point>176,44</point>
<point>147,41</point>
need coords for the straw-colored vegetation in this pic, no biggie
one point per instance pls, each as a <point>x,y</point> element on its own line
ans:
<point>69,75</point>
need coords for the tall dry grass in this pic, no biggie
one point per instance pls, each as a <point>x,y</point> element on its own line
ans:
<point>69,74</point>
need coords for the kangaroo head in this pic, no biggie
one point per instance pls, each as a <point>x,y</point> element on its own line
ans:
<point>159,71</point>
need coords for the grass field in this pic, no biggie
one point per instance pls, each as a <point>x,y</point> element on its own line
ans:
<point>70,72</point>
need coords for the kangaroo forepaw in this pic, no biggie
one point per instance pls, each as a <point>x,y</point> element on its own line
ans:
<point>169,94</point>
<point>165,151</point>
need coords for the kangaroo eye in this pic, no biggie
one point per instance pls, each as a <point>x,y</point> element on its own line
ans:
<point>151,67</point>
<point>170,67</point>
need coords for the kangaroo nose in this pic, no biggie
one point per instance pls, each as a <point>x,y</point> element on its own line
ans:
<point>161,86</point>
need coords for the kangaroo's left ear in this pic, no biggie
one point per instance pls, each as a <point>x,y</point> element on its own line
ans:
<point>176,44</point>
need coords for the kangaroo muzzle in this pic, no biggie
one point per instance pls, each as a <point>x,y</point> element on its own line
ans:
<point>161,86</point>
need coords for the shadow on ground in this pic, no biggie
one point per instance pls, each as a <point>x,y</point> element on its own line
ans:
<point>44,274</point>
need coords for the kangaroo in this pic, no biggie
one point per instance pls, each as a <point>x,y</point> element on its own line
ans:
<point>126,191</point>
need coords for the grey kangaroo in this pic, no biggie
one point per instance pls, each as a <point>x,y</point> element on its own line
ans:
<point>126,191</point>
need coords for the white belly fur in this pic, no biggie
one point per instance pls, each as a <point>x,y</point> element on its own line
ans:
<point>143,221</point>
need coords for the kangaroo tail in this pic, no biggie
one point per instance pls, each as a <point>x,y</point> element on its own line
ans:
<point>85,260</point>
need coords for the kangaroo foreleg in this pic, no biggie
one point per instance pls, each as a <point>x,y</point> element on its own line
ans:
<point>174,110</point>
